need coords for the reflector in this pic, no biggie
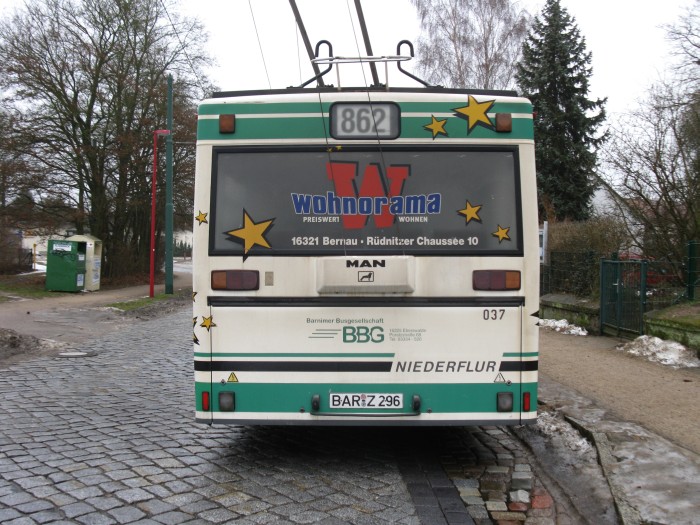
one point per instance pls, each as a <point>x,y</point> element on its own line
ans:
<point>504,122</point>
<point>526,401</point>
<point>227,123</point>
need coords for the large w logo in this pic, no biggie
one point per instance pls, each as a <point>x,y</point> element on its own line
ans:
<point>372,198</point>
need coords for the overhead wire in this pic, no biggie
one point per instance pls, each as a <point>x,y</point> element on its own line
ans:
<point>184,48</point>
<point>382,160</point>
<point>357,44</point>
<point>257,35</point>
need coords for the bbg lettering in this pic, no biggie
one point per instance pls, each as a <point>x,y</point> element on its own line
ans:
<point>363,334</point>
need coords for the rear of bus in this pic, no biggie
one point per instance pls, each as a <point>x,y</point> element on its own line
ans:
<point>365,258</point>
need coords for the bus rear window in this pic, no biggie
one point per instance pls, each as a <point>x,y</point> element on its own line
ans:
<point>354,200</point>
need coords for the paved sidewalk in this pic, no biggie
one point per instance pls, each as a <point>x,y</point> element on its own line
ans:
<point>652,479</point>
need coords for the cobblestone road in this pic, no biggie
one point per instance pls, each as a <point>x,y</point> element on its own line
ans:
<point>111,438</point>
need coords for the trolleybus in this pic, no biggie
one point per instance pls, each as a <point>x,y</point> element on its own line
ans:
<point>365,256</point>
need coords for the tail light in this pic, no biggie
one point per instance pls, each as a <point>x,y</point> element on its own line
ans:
<point>496,280</point>
<point>235,280</point>
<point>205,401</point>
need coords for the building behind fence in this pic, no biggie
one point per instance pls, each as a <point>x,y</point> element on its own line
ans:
<point>666,282</point>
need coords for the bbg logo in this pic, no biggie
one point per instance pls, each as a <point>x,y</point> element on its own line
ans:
<point>363,334</point>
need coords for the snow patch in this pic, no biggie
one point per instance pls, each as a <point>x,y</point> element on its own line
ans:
<point>562,326</point>
<point>550,425</point>
<point>657,350</point>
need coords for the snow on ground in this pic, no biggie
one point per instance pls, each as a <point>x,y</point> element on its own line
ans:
<point>552,424</point>
<point>563,326</point>
<point>668,353</point>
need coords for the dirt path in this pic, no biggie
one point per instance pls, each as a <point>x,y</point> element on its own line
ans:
<point>660,398</point>
<point>34,327</point>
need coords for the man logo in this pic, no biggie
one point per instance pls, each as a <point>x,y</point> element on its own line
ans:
<point>365,277</point>
<point>365,263</point>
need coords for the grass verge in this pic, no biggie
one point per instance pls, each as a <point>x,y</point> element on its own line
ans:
<point>136,304</point>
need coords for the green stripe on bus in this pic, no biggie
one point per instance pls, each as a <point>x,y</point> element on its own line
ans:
<point>261,109</point>
<point>315,128</point>
<point>449,107</point>
<point>288,354</point>
<point>515,354</point>
<point>437,397</point>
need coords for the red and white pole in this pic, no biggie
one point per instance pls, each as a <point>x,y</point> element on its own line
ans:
<point>153,206</point>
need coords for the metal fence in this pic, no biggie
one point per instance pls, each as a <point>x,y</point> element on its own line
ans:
<point>665,282</point>
<point>17,260</point>
<point>575,273</point>
<point>694,270</point>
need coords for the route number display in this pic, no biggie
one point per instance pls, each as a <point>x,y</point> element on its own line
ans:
<point>359,120</point>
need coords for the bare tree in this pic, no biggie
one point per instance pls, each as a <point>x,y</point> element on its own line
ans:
<point>685,38</point>
<point>653,158</point>
<point>652,174</point>
<point>470,43</point>
<point>89,80</point>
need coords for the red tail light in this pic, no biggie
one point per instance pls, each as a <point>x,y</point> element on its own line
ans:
<point>235,280</point>
<point>526,401</point>
<point>205,401</point>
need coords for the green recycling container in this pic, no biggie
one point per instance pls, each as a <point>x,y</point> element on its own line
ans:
<point>65,266</point>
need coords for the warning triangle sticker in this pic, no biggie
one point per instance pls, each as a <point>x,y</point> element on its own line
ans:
<point>499,378</point>
<point>232,378</point>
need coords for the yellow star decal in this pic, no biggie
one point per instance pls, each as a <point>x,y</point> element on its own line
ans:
<point>194,294</point>
<point>252,232</point>
<point>208,322</point>
<point>334,148</point>
<point>436,126</point>
<point>502,234</point>
<point>194,322</point>
<point>471,212</point>
<point>201,218</point>
<point>475,113</point>
<point>195,339</point>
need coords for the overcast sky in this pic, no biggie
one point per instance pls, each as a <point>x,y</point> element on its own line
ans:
<point>628,45</point>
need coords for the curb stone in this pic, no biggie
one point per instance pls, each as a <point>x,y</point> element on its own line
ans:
<point>627,514</point>
<point>505,488</point>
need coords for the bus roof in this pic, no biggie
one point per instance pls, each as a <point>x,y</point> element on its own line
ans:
<point>380,89</point>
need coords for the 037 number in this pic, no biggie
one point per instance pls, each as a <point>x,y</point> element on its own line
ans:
<point>494,314</point>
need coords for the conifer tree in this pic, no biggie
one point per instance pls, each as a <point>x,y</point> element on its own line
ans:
<point>554,74</point>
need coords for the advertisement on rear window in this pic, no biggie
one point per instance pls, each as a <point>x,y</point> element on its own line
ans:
<point>358,201</point>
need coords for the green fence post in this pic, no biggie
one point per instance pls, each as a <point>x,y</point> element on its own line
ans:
<point>602,295</point>
<point>693,268</point>
<point>642,295</point>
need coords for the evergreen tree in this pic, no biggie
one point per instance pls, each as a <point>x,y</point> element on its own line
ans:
<point>554,74</point>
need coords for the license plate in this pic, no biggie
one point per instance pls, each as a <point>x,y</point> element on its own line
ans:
<point>366,400</point>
